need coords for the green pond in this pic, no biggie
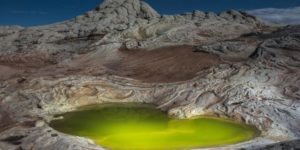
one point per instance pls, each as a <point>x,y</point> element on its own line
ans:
<point>143,127</point>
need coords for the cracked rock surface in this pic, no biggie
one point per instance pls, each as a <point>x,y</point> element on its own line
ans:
<point>229,65</point>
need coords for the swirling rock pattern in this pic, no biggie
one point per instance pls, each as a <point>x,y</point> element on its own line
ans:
<point>229,65</point>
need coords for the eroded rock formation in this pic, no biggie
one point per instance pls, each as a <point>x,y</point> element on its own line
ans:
<point>228,65</point>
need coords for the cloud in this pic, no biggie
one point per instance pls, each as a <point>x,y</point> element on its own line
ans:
<point>288,16</point>
<point>32,12</point>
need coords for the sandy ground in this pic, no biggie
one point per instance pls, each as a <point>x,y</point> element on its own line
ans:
<point>167,64</point>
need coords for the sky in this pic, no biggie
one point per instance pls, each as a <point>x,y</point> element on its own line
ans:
<point>39,12</point>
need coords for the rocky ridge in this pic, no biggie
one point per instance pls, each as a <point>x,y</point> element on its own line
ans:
<point>230,65</point>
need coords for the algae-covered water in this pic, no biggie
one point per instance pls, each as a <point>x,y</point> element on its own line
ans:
<point>142,127</point>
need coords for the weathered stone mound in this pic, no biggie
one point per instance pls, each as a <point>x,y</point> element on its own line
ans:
<point>229,65</point>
